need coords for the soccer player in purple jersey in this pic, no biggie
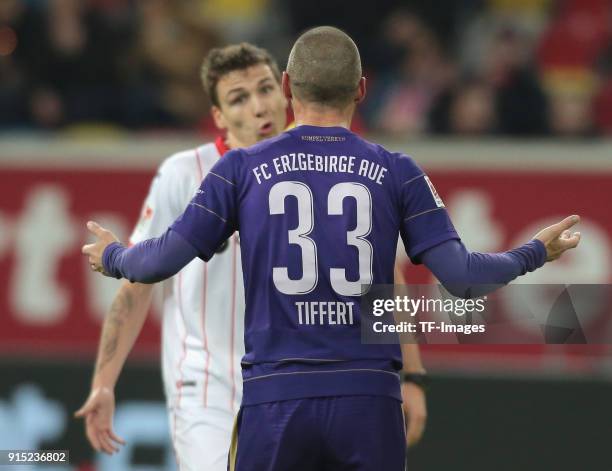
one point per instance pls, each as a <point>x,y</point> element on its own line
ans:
<point>319,212</point>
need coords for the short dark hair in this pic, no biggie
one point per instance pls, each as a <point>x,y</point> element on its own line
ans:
<point>221,61</point>
<point>324,67</point>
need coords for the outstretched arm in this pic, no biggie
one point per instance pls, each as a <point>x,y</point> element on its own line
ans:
<point>148,261</point>
<point>207,221</point>
<point>121,327</point>
<point>470,274</point>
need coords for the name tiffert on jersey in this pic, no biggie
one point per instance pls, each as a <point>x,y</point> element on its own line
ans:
<point>298,161</point>
<point>324,312</point>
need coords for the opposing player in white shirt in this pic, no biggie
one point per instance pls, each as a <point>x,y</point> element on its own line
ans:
<point>203,305</point>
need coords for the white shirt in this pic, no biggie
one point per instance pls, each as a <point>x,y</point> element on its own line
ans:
<point>203,305</point>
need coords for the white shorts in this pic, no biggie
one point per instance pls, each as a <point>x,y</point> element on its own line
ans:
<point>201,436</point>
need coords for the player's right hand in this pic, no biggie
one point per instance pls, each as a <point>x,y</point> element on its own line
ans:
<point>558,238</point>
<point>414,405</point>
<point>95,251</point>
<point>98,412</point>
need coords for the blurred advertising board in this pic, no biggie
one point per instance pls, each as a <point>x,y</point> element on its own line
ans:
<point>52,304</point>
<point>37,402</point>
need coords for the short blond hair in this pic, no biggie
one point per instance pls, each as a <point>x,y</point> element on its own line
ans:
<point>324,67</point>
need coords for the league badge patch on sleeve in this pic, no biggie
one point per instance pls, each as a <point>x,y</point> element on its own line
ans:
<point>434,193</point>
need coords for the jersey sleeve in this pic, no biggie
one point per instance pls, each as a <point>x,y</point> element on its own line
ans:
<point>211,216</point>
<point>162,204</point>
<point>425,222</point>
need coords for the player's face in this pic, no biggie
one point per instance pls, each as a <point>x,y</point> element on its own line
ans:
<point>251,106</point>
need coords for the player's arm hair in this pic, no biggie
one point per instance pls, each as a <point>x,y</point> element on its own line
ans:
<point>411,358</point>
<point>121,328</point>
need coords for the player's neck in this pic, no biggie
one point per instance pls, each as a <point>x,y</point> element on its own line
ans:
<point>233,143</point>
<point>323,116</point>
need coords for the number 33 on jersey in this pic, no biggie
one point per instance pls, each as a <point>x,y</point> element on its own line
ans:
<point>319,212</point>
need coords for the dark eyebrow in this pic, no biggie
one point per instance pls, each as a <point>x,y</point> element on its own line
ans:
<point>235,90</point>
<point>264,80</point>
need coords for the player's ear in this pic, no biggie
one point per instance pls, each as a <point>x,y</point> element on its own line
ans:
<point>361,90</point>
<point>285,83</point>
<point>218,117</point>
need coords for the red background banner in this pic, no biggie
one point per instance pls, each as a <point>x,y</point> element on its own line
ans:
<point>52,305</point>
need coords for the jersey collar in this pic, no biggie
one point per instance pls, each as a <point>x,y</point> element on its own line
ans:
<point>221,145</point>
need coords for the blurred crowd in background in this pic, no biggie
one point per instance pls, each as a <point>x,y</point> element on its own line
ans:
<point>464,67</point>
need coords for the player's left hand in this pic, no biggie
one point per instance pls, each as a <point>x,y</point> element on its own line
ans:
<point>415,408</point>
<point>95,251</point>
<point>98,413</point>
<point>558,238</point>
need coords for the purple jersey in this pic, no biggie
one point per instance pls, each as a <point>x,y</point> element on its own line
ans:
<point>319,211</point>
